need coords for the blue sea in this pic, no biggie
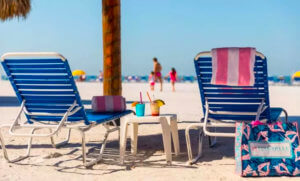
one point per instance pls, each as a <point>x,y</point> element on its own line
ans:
<point>131,78</point>
<point>284,80</point>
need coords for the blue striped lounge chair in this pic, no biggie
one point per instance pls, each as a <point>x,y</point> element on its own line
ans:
<point>49,98</point>
<point>224,105</point>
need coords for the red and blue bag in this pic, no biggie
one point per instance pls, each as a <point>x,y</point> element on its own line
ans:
<point>267,149</point>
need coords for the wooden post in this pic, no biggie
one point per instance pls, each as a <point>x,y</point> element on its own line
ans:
<point>111,27</point>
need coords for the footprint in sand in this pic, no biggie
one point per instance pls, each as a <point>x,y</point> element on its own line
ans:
<point>53,155</point>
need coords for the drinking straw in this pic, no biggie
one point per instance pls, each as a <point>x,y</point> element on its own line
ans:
<point>149,96</point>
<point>141,99</point>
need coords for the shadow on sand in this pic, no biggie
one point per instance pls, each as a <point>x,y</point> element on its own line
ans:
<point>148,146</point>
<point>9,101</point>
<point>150,154</point>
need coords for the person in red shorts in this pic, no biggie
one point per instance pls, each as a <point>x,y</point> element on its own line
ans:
<point>173,77</point>
<point>157,71</point>
<point>152,80</point>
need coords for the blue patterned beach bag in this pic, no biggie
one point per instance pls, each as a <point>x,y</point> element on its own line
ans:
<point>267,149</point>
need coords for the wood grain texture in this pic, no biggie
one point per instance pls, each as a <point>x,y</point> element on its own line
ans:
<point>111,24</point>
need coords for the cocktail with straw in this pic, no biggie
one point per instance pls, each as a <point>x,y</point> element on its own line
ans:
<point>155,105</point>
<point>139,106</point>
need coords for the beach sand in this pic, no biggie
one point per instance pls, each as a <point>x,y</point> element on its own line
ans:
<point>47,163</point>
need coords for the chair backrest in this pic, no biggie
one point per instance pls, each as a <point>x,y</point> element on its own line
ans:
<point>237,99</point>
<point>45,82</point>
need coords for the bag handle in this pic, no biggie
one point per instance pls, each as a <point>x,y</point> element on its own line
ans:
<point>261,109</point>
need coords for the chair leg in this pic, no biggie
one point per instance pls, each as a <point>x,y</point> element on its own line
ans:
<point>103,146</point>
<point>83,147</point>
<point>212,141</point>
<point>188,143</point>
<point>20,157</point>
<point>200,148</point>
<point>57,145</point>
<point>123,138</point>
<point>84,150</point>
<point>100,156</point>
<point>134,138</point>
<point>166,139</point>
<point>175,137</point>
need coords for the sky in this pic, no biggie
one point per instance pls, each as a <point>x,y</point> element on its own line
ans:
<point>174,31</point>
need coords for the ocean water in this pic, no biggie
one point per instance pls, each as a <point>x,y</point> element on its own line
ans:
<point>131,78</point>
<point>281,80</point>
<point>277,80</point>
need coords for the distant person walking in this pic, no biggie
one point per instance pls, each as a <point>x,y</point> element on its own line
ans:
<point>100,77</point>
<point>157,71</point>
<point>81,78</point>
<point>173,78</point>
<point>152,80</point>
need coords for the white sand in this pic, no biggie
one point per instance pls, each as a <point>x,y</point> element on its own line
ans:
<point>217,163</point>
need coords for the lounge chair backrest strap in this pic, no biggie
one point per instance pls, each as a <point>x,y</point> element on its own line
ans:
<point>44,82</point>
<point>233,102</point>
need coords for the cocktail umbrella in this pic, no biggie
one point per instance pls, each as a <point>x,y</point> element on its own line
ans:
<point>14,8</point>
<point>296,75</point>
<point>78,73</point>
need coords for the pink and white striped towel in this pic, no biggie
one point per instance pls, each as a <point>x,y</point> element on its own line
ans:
<point>233,66</point>
<point>108,104</point>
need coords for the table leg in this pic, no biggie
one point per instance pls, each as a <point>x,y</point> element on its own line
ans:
<point>174,131</point>
<point>166,138</point>
<point>134,137</point>
<point>123,138</point>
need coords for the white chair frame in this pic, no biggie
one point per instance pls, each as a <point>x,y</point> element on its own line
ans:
<point>63,123</point>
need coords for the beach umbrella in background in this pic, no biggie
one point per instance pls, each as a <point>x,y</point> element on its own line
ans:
<point>111,28</point>
<point>296,75</point>
<point>78,73</point>
<point>14,8</point>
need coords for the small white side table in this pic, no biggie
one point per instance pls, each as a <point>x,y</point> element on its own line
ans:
<point>169,128</point>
